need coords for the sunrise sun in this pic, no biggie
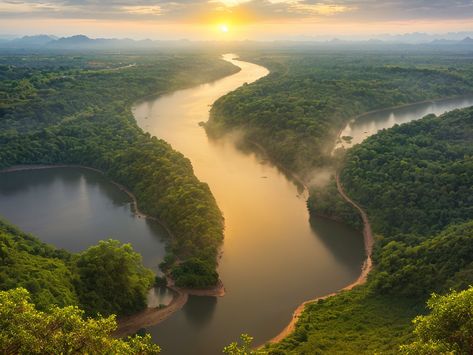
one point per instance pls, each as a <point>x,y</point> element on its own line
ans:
<point>223,28</point>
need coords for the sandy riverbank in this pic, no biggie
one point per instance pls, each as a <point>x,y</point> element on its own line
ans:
<point>152,316</point>
<point>366,268</point>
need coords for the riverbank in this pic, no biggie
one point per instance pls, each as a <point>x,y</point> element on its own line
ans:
<point>367,231</point>
<point>365,270</point>
<point>367,237</point>
<point>150,316</point>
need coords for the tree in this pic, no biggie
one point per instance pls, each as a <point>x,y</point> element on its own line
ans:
<point>25,330</point>
<point>242,349</point>
<point>448,328</point>
<point>112,279</point>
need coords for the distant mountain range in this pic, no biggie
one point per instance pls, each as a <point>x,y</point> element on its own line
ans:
<point>81,42</point>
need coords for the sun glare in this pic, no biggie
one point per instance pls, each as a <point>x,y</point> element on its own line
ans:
<point>223,28</point>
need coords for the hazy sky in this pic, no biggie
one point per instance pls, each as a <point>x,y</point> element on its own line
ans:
<point>244,19</point>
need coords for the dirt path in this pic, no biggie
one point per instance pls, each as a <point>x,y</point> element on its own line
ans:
<point>367,232</point>
<point>365,270</point>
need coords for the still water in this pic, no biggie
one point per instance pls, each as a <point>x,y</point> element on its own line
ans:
<point>74,208</point>
<point>274,258</point>
<point>368,124</point>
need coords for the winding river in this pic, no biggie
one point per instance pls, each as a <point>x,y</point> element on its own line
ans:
<point>274,256</point>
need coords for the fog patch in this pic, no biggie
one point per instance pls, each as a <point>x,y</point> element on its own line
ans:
<point>320,177</point>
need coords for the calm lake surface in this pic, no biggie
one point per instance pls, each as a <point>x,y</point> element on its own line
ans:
<point>274,257</point>
<point>74,208</point>
<point>369,124</point>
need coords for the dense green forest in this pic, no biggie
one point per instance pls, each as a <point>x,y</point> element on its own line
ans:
<point>415,182</point>
<point>297,110</point>
<point>77,110</point>
<point>415,178</point>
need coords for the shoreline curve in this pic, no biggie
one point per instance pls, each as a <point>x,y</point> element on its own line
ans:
<point>149,316</point>
<point>367,230</point>
<point>365,269</point>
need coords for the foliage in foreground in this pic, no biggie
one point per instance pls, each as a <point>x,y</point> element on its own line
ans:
<point>448,329</point>
<point>25,330</point>
<point>243,347</point>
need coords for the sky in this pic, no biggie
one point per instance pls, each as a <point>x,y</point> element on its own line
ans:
<point>234,19</point>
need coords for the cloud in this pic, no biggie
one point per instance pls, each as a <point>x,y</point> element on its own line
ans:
<point>318,8</point>
<point>240,10</point>
<point>13,7</point>
<point>143,10</point>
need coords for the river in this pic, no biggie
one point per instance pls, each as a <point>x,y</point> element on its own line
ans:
<point>274,256</point>
<point>368,124</point>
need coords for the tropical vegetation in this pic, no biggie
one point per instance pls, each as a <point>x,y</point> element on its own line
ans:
<point>421,173</point>
<point>77,110</point>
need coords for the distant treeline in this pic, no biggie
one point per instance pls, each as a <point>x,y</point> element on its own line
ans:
<point>77,110</point>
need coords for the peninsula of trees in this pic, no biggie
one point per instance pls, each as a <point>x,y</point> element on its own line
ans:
<point>297,111</point>
<point>59,109</point>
